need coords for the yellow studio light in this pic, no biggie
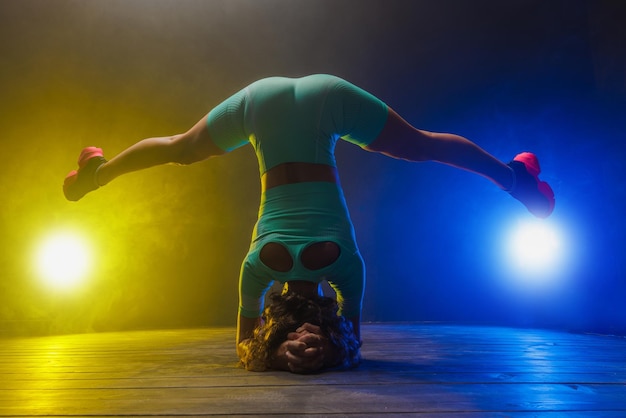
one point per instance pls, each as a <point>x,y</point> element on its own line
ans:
<point>63,259</point>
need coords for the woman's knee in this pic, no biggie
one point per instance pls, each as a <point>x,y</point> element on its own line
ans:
<point>181,150</point>
<point>194,145</point>
<point>399,139</point>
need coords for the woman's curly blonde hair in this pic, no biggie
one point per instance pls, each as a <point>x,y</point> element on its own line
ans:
<point>286,313</point>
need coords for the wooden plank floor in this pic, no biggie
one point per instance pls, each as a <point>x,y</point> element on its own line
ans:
<point>408,370</point>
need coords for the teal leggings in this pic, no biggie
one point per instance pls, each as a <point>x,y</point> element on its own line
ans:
<point>297,120</point>
<point>300,120</point>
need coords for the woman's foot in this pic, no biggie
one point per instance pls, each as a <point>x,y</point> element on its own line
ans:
<point>78,183</point>
<point>535,194</point>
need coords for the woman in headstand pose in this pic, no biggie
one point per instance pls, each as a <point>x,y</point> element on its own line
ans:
<point>304,234</point>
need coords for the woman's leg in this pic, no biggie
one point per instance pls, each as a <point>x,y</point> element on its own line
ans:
<point>399,139</point>
<point>94,171</point>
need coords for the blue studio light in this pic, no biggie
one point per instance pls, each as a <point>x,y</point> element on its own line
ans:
<point>535,250</point>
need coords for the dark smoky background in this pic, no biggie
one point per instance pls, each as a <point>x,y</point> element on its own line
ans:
<point>547,76</point>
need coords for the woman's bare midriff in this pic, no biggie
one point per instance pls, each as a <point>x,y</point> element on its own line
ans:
<point>288,173</point>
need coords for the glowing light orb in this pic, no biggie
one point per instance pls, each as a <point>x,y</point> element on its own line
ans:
<point>63,259</point>
<point>535,247</point>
